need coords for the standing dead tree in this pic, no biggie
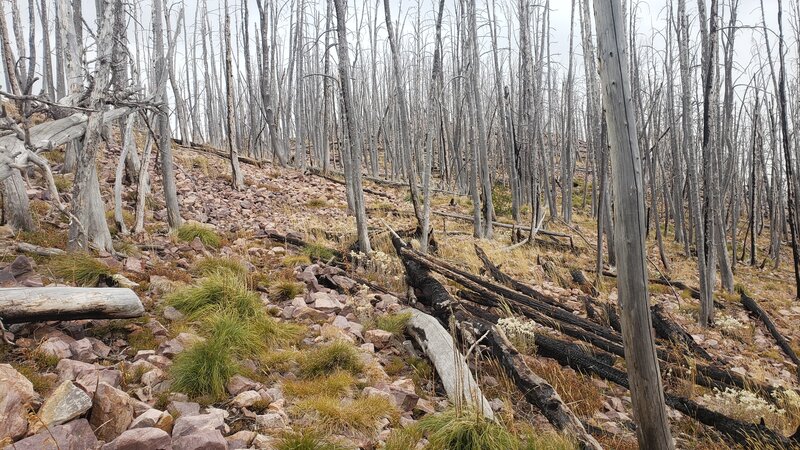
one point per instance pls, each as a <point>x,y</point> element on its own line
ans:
<point>644,377</point>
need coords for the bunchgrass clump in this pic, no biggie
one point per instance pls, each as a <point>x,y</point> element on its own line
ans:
<point>220,289</point>
<point>251,336</point>
<point>81,269</point>
<point>191,230</point>
<point>403,438</point>
<point>305,440</point>
<point>327,359</point>
<point>296,260</point>
<point>360,416</point>
<point>41,384</point>
<point>203,369</point>
<point>317,203</point>
<point>333,385</point>
<point>466,430</point>
<point>45,237</point>
<point>127,217</point>
<point>211,265</point>
<point>546,441</point>
<point>393,323</point>
<point>286,290</point>
<point>318,252</point>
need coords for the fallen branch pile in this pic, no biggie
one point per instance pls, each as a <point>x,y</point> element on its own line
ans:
<point>476,315</point>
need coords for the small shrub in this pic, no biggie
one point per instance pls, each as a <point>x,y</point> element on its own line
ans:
<point>203,370</point>
<point>81,269</point>
<point>359,416</point>
<point>466,430</point>
<point>329,358</point>
<point>143,339</point>
<point>41,384</point>
<point>191,230</point>
<point>521,333</point>
<point>211,265</point>
<point>317,203</point>
<point>43,362</point>
<point>393,323</point>
<point>296,260</point>
<point>501,200</point>
<point>334,385</point>
<point>318,252</point>
<point>286,290</point>
<point>305,440</point>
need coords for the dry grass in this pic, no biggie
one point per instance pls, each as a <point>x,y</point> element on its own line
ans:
<point>336,384</point>
<point>359,417</point>
<point>577,390</point>
<point>330,358</point>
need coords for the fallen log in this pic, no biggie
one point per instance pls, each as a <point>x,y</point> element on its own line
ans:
<point>67,303</point>
<point>665,327</point>
<point>293,240</point>
<point>750,305</point>
<point>668,329</point>
<point>539,392</point>
<point>450,364</point>
<point>536,390</point>
<point>573,355</point>
<point>509,226</point>
<point>707,375</point>
<point>24,247</point>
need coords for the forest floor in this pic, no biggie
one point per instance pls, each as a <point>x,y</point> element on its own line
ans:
<point>338,367</point>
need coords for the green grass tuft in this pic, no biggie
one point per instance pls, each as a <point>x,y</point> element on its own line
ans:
<point>249,337</point>
<point>318,252</point>
<point>211,265</point>
<point>393,323</point>
<point>305,440</point>
<point>81,269</point>
<point>203,369</point>
<point>286,290</point>
<point>466,430</point>
<point>325,360</point>
<point>219,289</point>
<point>190,230</point>
<point>403,438</point>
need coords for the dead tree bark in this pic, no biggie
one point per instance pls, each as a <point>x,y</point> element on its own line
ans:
<point>645,379</point>
<point>237,178</point>
<point>87,202</point>
<point>353,137</point>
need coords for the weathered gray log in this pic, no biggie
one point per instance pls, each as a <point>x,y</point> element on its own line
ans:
<point>67,303</point>
<point>509,226</point>
<point>24,247</point>
<point>452,368</point>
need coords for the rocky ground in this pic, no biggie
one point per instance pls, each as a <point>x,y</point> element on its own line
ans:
<point>110,384</point>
